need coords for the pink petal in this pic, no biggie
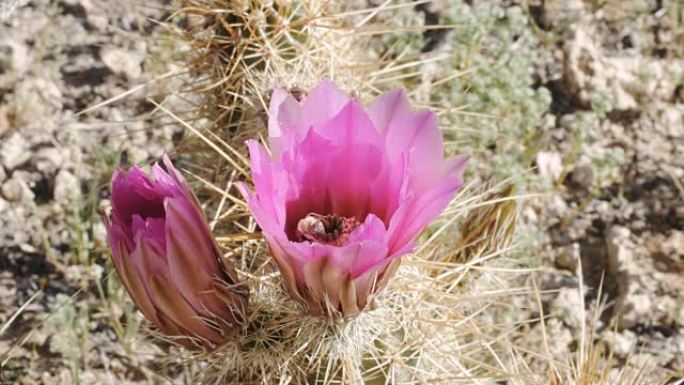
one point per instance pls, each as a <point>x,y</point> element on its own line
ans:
<point>388,109</point>
<point>264,218</point>
<point>151,230</point>
<point>364,249</point>
<point>389,188</point>
<point>417,212</point>
<point>192,256</point>
<point>169,300</point>
<point>291,259</point>
<point>372,229</point>
<point>323,102</point>
<point>407,132</point>
<point>164,295</point>
<point>309,173</point>
<point>351,125</point>
<point>420,136</point>
<point>133,192</point>
<point>329,177</point>
<point>129,276</point>
<point>270,181</point>
<point>284,122</point>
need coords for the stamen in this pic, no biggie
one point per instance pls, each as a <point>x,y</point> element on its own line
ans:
<point>328,229</point>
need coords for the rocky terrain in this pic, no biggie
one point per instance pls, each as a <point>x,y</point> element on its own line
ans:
<point>56,59</point>
<point>608,151</point>
<point>615,157</point>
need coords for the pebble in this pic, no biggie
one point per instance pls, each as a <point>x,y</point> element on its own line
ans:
<point>549,165</point>
<point>16,190</point>
<point>14,151</point>
<point>67,187</point>
<point>14,56</point>
<point>123,63</point>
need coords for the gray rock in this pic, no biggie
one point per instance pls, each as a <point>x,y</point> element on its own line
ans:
<point>636,309</point>
<point>49,159</point>
<point>14,56</point>
<point>84,6</point>
<point>67,187</point>
<point>16,190</point>
<point>568,306</point>
<point>619,248</point>
<point>581,177</point>
<point>549,165</point>
<point>4,119</point>
<point>567,257</point>
<point>97,21</point>
<point>36,98</point>
<point>14,151</point>
<point>123,63</point>
<point>622,343</point>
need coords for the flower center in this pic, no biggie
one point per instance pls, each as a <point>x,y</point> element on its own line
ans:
<point>329,229</point>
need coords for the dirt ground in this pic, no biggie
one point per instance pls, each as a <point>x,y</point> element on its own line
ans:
<point>610,158</point>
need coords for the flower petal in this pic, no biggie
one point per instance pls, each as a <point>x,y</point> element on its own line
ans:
<point>411,132</point>
<point>193,257</point>
<point>323,102</point>
<point>364,249</point>
<point>170,301</point>
<point>284,121</point>
<point>417,212</point>
<point>270,181</point>
<point>133,280</point>
<point>351,126</point>
<point>388,109</point>
<point>133,192</point>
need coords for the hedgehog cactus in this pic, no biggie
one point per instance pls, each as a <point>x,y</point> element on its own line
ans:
<point>346,192</point>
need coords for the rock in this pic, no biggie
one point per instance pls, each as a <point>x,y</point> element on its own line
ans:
<point>79,6</point>
<point>636,309</point>
<point>581,177</point>
<point>4,120</point>
<point>67,187</point>
<point>123,63</point>
<point>619,248</point>
<point>14,56</point>
<point>558,207</point>
<point>97,21</point>
<point>559,14</point>
<point>590,73</point>
<point>584,71</point>
<point>99,234</point>
<point>49,159</point>
<point>567,257</point>
<point>36,98</point>
<point>549,165</point>
<point>3,174</point>
<point>14,151</point>
<point>568,307</point>
<point>673,246</point>
<point>622,343</point>
<point>16,190</point>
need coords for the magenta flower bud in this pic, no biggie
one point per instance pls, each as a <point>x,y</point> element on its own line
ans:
<point>346,192</point>
<point>168,261</point>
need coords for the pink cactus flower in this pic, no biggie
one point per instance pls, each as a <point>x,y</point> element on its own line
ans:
<point>345,192</point>
<point>168,261</point>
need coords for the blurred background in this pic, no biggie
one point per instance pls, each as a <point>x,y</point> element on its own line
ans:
<point>581,102</point>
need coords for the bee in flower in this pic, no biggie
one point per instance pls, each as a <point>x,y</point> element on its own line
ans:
<point>345,192</point>
<point>168,260</point>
